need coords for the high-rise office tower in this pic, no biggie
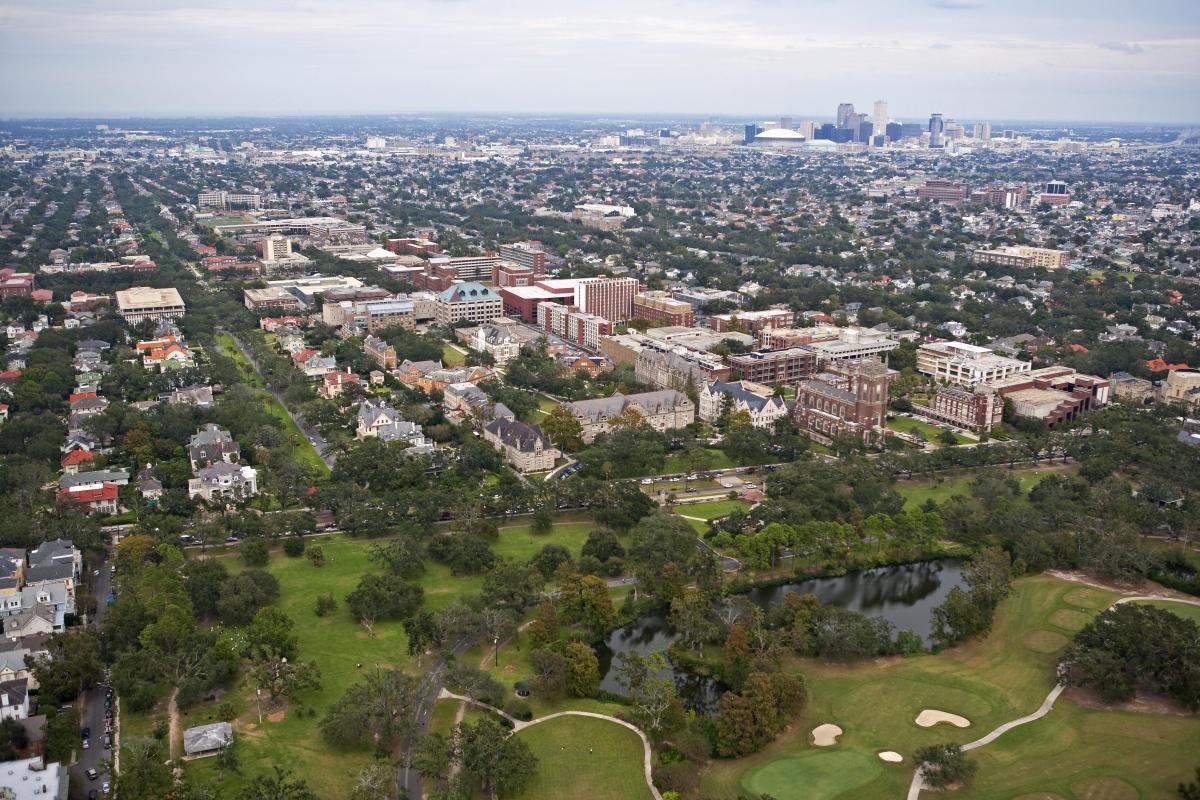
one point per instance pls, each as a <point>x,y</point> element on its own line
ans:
<point>751,132</point>
<point>983,131</point>
<point>936,128</point>
<point>894,131</point>
<point>808,129</point>
<point>865,128</point>
<point>880,118</point>
<point>785,123</point>
<point>954,130</point>
<point>845,115</point>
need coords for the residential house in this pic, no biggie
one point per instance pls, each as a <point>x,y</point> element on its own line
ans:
<point>334,383</point>
<point>207,740</point>
<point>210,445</point>
<point>224,479</point>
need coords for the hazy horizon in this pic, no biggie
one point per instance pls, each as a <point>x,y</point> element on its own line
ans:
<point>1022,60</point>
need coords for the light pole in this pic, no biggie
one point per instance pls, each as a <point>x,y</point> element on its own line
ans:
<point>496,646</point>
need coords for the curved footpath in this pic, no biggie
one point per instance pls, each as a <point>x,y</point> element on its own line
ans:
<point>518,726</point>
<point>918,781</point>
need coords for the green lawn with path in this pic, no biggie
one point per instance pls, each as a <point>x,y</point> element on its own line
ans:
<point>917,491</point>
<point>714,509</point>
<point>337,645</point>
<point>452,357</point>
<point>586,758</point>
<point>1075,753</point>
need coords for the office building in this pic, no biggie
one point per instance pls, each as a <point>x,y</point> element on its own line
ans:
<point>271,298</point>
<point>845,115</point>
<point>467,268</point>
<point>1052,394</point>
<point>751,132</point>
<point>660,309</point>
<point>772,367</point>
<point>944,191</point>
<point>1023,257</point>
<point>468,301</point>
<point>752,321</point>
<point>937,130</point>
<point>143,302</point>
<point>785,122</point>
<point>849,344</point>
<point>879,118</point>
<point>808,129</point>
<point>894,131</point>
<point>508,274</point>
<point>1055,193</point>
<point>982,131</point>
<point>964,364</point>
<point>228,201</point>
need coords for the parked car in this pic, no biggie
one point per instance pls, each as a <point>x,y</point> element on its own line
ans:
<point>93,775</point>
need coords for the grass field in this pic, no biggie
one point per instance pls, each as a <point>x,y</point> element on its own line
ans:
<point>711,510</point>
<point>717,460</point>
<point>1185,610</point>
<point>916,426</point>
<point>585,758</point>
<point>452,357</point>
<point>301,449</point>
<point>916,492</point>
<point>338,646</point>
<point>1073,754</point>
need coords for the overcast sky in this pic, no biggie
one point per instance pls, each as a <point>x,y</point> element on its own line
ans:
<point>971,59</point>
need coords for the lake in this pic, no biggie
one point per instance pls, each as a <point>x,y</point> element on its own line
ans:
<point>904,595</point>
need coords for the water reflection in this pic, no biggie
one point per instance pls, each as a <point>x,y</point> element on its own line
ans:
<point>903,595</point>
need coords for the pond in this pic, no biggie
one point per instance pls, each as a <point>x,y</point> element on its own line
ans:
<point>904,595</point>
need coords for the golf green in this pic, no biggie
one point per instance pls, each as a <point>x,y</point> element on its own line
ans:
<point>821,773</point>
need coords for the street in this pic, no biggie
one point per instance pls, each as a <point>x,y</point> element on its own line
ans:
<point>327,454</point>
<point>91,713</point>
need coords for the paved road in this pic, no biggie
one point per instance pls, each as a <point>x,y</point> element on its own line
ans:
<point>91,713</point>
<point>327,454</point>
<point>409,776</point>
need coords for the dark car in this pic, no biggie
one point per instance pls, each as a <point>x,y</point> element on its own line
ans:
<point>93,794</point>
<point>86,733</point>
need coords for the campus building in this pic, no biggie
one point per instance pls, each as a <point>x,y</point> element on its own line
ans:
<point>848,399</point>
<point>140,303</point>
<point>468,301</point>
<point>965,364</point>
<point>659,308</point>
<point>979,410</point>
<point>1023,257</point>
<point>771,367</point>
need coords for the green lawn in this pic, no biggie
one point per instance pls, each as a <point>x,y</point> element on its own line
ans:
<point>712,510</point>
<point>915,426</point>
<point>338,646</point>
<point>301,449</point>
<point>916,492</point>
<point>1073,754</point>
<point>451,357</point>
<point>587,758</point>
<point>1185,610</point>
<point>677,463</point>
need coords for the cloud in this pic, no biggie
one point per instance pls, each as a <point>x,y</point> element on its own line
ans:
<point>1128,48</point>
<point>939,46</point>
<point>953,5</point>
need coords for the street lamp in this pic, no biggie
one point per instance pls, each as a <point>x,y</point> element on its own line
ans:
<point>496,645</point>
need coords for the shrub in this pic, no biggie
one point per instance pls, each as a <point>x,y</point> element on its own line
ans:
<point>944,765</point>
<point>293,546</point>
<point>518,709</point>
<point>315,555</point>
<point>325,604</point>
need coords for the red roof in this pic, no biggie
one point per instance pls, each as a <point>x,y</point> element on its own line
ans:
<point>107,491</point>
<point>76,457</point>
<point>1158,365</point>
<point>1078,348</point>
<point>80,396</point>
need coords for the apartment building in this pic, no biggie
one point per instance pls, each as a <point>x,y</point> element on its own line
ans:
<point>660,308</point>
<point>771,367</point>
<point>576,326</point>
<point>1022,257</point>
<point>944,191</point>
<point>966,364</point>
<point>753,321</point>
<point>228,201</point>
<point>526,254</point>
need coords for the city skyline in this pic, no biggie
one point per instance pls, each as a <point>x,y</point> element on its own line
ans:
<point>1075,61</point>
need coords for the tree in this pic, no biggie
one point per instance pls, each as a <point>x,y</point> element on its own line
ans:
<point>543,519</point>
<point>602,544</point>
<point>550,673</point>
<point>379,707</point>
<point>283,678</point>
<point>375,782</point>
<point>658,540</point>
<point>384,597</point>
<point>547,560</point>
<point>583,670</point>
<point>650,687</point>
<point>13,739</point>
<point>1190,791</point>
<point>735,726</point>
<point>595,610</point>
<point>254,553</point>
<point>145,774</point>
<point>501,764</point>
<point>945,765</point>
<point>277,786</point>
<point>72,666</point>
<point>564,429</point>
<point>512,585</point>
<point>270,634</point>
<point>401,556</point>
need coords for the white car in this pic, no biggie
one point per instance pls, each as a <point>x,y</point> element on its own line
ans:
<point>647,481</point>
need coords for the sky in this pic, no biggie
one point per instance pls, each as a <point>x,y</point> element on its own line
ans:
<point>1099,60</point>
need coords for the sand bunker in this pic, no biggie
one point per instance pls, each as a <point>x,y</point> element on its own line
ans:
<point>891,756</point>
<point>930,717</point>
<point>826,735</point>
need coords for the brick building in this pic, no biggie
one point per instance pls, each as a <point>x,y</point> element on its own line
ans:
<point>771,367</point>
<point>979,410</point>
<point>849,399</point>
<point>662,310</point>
